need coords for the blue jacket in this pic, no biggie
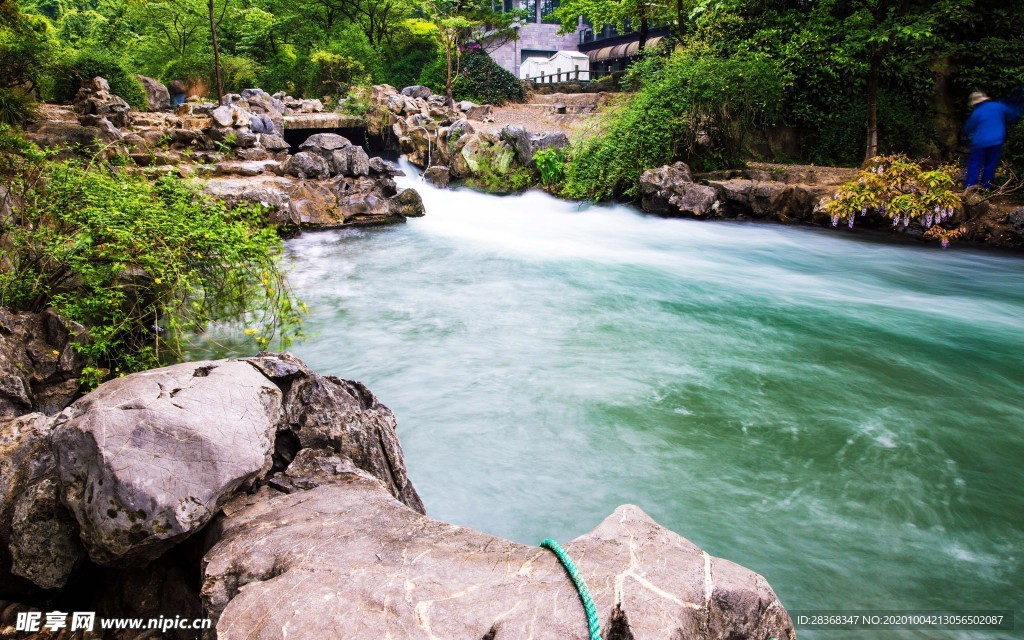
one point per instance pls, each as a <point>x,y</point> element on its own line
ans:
<point>988,123</point>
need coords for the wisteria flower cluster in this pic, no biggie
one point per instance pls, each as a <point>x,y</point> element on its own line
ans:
<point>900,190</point>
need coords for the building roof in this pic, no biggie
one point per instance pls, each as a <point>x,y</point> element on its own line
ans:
<point>624,50</point>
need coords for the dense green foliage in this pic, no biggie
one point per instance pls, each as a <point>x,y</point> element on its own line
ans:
<point>16,107</point>
<point>311,48</point>
<point>639,15</point>
<point>688,106</point>
<point>483,80</point>
<point>412,51</point>
<point>907,66</point>
<point>141,265</point>
<point>69,74</point>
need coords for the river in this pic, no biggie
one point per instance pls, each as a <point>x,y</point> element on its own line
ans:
<point>840,414</point>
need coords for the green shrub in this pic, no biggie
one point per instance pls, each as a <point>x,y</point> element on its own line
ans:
<point>69,75</point>
<point>551,165</point>
<point>433,75</point>
<point>335,73</point>
<point>16,107</point>
<point>491,177</point>
<point>483,80</point>
<point>238,73</point>
<point>141,265</point>
<point>694,108</point>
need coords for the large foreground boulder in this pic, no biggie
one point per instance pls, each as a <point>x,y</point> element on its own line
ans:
<point>349,556</point>
<point>147,459</point>
<point>311,527</point>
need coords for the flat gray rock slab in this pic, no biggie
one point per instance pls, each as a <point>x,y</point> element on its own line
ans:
<point>348,560</point>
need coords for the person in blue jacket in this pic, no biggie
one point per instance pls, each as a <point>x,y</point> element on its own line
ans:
<point>986,129</point>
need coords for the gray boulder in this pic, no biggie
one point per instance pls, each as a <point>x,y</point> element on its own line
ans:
<point>519,138</point>
<point>342,157</point>
<point>230,115</point>
<point>39,367</point>
<point>459,129</point>
<point>261,123</point>
<point>157,95</point>
<point>417,91</point>
<point>409,204</point>
<point>38,537</point>
<point>108,131</point>
<point>323,144</point>
<point>94,98</point>
<point>306,164</point>
<point>340,417</point>
<point>147,459</point>
<point>670,190</point>
<point>246,139</point>
<point>44,543</point>
<point>273,142</point>
<point>381,167</point>
<point>260,101</point>
<point>527,144</point>
<point>350,161</point>
<point>222,115</point>
<point>770,199</point>
<point>438,176</point>
<point>1016,220</point>
<point>347,555</point>
<point>475,111</point>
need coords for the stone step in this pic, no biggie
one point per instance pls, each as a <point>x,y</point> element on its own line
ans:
<point>561,108</point>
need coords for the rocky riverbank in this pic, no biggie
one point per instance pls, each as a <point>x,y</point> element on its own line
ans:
<point>275,501</point>
<point>446,144</point>
<point>795,194</point>
<point>238,152</point>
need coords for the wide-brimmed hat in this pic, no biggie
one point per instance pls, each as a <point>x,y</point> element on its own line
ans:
<point>977,98</point>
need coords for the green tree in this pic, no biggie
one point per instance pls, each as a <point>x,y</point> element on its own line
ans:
<point>142,265</point>
<point>686,104</point>
<point>27,45</point>
<point>639,14</point>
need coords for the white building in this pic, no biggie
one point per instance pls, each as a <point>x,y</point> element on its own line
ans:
<point>562,66</point>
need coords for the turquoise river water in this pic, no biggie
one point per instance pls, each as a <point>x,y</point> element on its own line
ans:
<point>842,415</point>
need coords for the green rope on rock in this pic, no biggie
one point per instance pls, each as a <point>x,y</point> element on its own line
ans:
<point>581,587</point>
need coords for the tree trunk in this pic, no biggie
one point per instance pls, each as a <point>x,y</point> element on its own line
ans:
<point>680,20</point>
<point>216,54</point>
<point>644,30</point>
<point>448,78</point>
<point>872,146</point>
